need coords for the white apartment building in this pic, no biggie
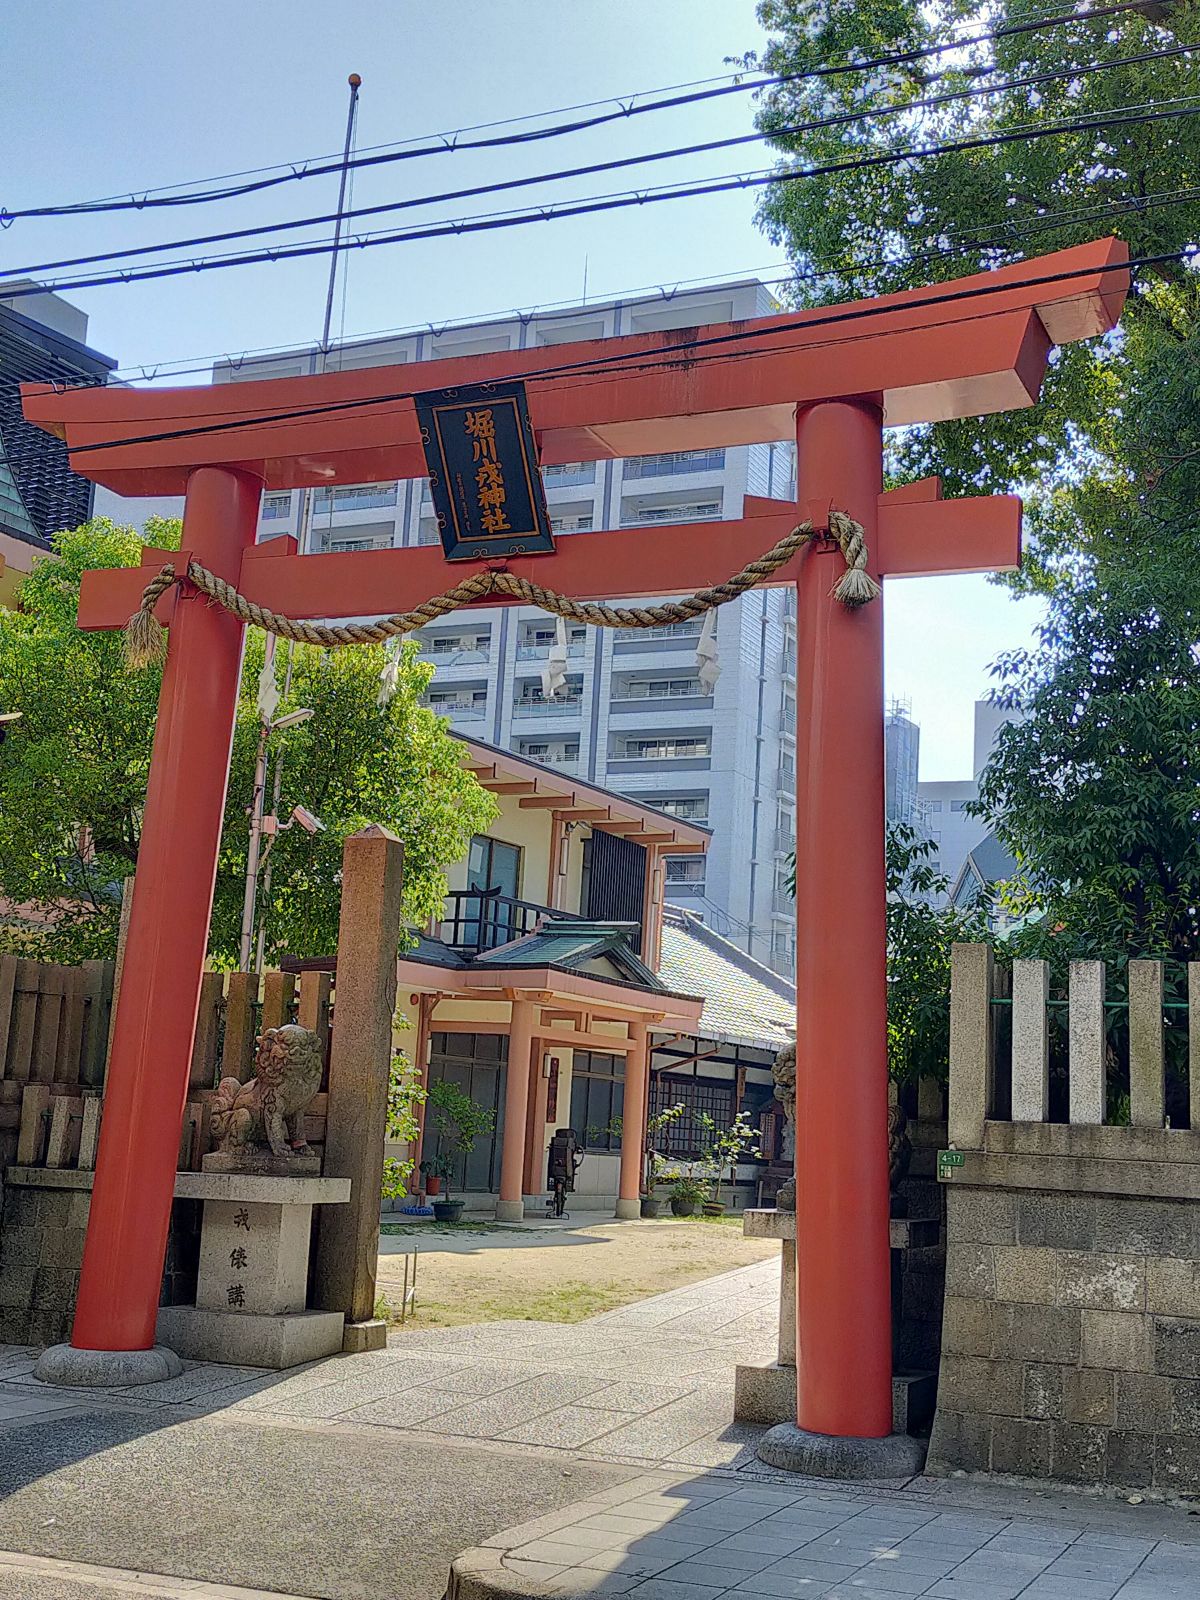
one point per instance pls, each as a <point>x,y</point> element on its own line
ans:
<point>634,715</point>
<point>942,804</point>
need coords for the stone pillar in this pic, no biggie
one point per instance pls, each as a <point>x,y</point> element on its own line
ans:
<point>972,1055</point>
<point>511,1206</point>
<point>535,1132</point>
<point>633,1118</point>
<point>359,1065</point>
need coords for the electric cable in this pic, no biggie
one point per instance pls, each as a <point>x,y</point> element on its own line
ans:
<point>620,201</point>
<point>450,144</point>
<point>865,116</point>
<point>681,352</point>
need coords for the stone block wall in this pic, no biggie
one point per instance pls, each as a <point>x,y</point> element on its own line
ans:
<point>42,1228</point>
<point>1071,1327</point>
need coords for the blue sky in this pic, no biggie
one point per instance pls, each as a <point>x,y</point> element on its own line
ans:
<point>126,95</point>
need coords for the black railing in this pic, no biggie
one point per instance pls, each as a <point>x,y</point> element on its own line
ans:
<point>484,919</point>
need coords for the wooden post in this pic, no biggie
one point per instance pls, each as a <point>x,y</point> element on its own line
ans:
<point>510,1207</point>
<point>237,1055</point>
<point>203,1073</point>
<point>1193,981</point>
<point>356,1118</point>
<point>122,940</point>
<point>279,990</point>
<point>972,1051</point>
<point>8,983</point>
<point>312,1010</point>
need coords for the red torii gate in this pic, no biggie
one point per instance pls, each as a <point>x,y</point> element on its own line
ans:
<point>976,345</point>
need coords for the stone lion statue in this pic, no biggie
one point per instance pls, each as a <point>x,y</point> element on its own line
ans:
<point>270,1108</point>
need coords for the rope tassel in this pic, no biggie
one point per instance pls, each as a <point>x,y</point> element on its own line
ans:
<point>145,636</point>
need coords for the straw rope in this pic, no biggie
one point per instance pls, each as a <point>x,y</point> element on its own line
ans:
<point>145,637</point>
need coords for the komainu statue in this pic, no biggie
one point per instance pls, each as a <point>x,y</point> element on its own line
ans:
<point>269,1110</point>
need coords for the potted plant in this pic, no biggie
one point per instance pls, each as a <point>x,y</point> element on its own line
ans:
<point>651,1204</point>
<point>688,1189</point>
<point>458,1122</point>
<point>432,1178</point>
<point>722,1149</point>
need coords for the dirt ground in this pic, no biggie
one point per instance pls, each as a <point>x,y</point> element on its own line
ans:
<point>556,1275</point>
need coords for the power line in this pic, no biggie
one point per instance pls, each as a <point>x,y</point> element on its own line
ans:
<point>451,143</point>
<point>867,115</point>
<point>1010,230</point>
<point>677,354</point>
<point>621,201</point>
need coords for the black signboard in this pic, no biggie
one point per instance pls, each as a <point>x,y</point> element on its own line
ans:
<point>483,471</point>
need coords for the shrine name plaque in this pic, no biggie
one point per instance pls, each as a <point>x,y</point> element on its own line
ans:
<point>483,471</point>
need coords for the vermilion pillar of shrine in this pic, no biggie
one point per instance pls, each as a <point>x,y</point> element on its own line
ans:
<point>844,1375</point>
<point>168,936</point>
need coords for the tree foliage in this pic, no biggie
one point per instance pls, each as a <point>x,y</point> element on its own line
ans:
<point>874,230</point>
<point>73,771</point>
<point>920,935</point>
<point>1095,792</point>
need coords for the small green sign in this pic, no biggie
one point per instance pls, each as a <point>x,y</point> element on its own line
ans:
<point>947,1160</point>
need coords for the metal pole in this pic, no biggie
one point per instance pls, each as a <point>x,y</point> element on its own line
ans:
<point>305,524</point>
<point>257,806</point>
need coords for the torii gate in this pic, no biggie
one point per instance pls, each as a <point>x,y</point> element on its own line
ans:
<point>838,375</point>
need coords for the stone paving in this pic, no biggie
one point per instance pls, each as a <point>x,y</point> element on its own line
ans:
<point>448,1435</point>
<point>727,1537</point>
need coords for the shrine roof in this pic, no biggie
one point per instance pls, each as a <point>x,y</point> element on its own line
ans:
<point>963,348</point>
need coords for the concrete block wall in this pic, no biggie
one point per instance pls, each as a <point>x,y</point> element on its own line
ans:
<point>42,1228</point>
<point>1071,1336</point>
<point>1071,1324</point>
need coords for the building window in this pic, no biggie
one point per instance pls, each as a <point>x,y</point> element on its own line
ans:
<point>452,644</point>
<point>275,506</point>
<point>597,1098</point>
<point>355,497</point>
<point>666,749</point>
<point>685,869</point>
<point>686,511</point>
<point>662,689</point>
<point>673,462</point>
<point>693,807</point>
<point>578,524</point>
<point>680,1140</point>
<point>568,472</point>
<point>959,805</point>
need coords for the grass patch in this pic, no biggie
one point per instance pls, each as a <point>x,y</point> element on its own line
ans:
<point>415,1228</point>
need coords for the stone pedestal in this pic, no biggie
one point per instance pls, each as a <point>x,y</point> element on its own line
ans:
<point>252,1288</point>
<point>768,1394</point>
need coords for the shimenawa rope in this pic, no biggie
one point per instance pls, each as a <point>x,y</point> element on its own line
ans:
<point>145,637</point>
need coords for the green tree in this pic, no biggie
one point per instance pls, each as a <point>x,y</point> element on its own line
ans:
<point>873,230</point>
<point>73,772</point>
<point>920,934</point>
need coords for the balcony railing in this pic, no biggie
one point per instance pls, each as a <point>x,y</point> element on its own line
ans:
<point>460,711</point>
<point>568,706</point>
<point>674,463</point>
<point>484,919</point>
<point>539,652</point>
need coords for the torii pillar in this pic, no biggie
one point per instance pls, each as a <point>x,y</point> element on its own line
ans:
<point>976,345</point>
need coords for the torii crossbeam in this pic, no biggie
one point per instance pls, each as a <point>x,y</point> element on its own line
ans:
<point>838,376</point>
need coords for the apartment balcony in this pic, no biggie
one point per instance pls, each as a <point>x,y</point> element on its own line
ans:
<point>568,706</point>
<point>783,904</point>
<point>457,711</point>
<point>552,758</point>
<point>456,658</point>
<point>569,474</point>
<point>673,464</point>
<point>476,920</point>
<point>785,841</point>
<point>634,764</point>
<point>785,777</point>
<point>539,652</point>
<point>638,705</point>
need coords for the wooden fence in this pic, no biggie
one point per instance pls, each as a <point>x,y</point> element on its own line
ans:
<point>54,1035</point>
<point>1118,1046</point>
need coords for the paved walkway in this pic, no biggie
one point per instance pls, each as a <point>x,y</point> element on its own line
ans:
<point>361,1477</point>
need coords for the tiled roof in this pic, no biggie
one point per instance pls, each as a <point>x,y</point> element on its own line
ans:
<point>744,1002</point>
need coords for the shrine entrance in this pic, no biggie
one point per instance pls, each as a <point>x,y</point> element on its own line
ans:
<point>837,376</point>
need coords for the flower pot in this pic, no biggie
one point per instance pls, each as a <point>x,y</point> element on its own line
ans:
<point>433,1185</point>
<point>651,1205</point>
<point>681,1207</point>
<point>713,1208</point>
<point>448,1210</point>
